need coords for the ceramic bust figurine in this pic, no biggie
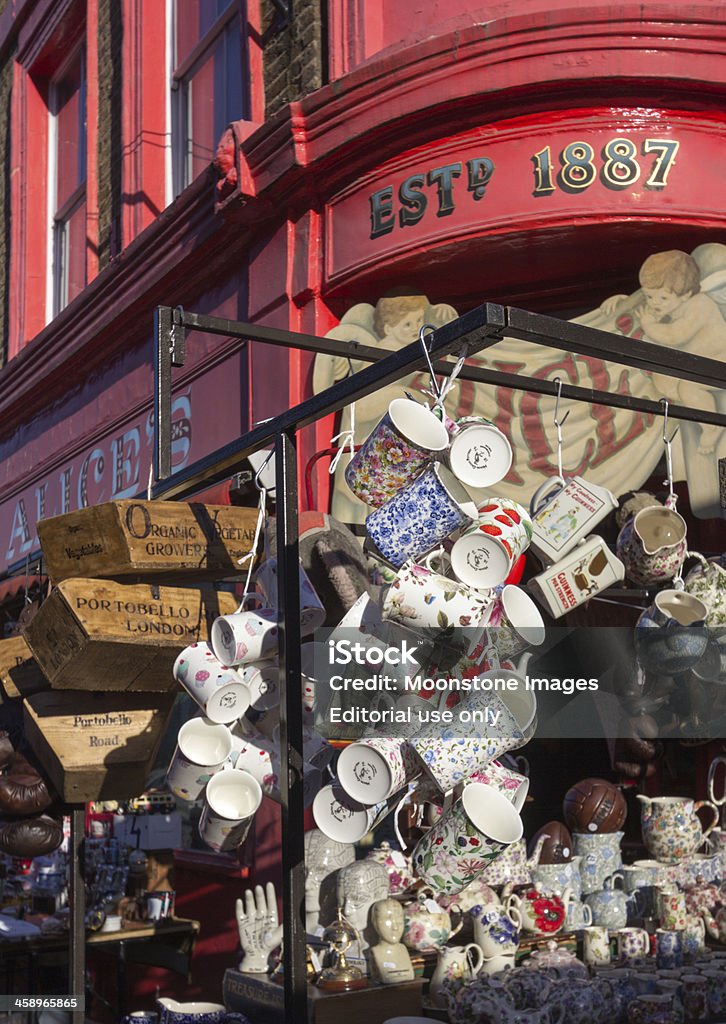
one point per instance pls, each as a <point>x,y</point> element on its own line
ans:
<point>389,957</point>
<point>323,858</point>
<point>360,885</point>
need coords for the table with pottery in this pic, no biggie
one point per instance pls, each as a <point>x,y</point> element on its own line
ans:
<point>554,931</point>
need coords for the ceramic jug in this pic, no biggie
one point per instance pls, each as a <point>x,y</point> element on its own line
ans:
<point>558,877</point>
<point>652,545</point>
<point>455,964</point>
<point>600,857</point>
<point>707,581</point>
<point>671,828</point>
<point>670,635</point>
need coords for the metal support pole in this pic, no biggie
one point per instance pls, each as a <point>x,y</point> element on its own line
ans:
<point>291,731</point>
<point>77,960</point>
<point>162,392</point>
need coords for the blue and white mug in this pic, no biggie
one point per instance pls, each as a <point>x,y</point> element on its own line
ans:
<point>420,516</point>
<point>668,949</point>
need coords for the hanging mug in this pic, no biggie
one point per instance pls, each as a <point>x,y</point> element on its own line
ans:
<point>564,513</point>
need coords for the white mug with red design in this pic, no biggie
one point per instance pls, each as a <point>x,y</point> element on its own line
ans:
<point>484,554</point>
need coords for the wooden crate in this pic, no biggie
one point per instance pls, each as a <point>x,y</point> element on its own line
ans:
<point>148,539</point>
<point>20,675</point>
<point>103,635</point>
<point>96,746</point>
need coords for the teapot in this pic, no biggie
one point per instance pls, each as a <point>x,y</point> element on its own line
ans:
<point>652,545</point>
<point>715,924</point>
<point>561,961</point>
<point>172,1012</point>
<point>671,829</point>
<point>609,906</point>
<point>512,865</point>
<point>702,896</point>
<point>427,925</point>
<point>483,1000</point>
<point>543,915</point>
<point>397,864</point>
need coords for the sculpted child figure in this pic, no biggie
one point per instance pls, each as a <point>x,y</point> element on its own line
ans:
<point>389,957</point>
<point>394,322</point>
<point>672,310</point>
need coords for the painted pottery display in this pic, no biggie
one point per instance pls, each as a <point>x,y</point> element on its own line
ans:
<point>513,866</point>
<point>707,582</point>
<point>671,828</point>
<point>454,964</point>
<point>427,925</point>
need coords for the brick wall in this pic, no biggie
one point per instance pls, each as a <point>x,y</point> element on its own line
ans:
<point>110,36</point>
<point>293,56</point>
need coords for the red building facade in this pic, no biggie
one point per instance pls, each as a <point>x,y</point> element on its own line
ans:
<point>520,151</point>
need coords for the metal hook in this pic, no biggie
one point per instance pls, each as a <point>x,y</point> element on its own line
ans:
<point>559,423</point>
<point>668,441</point>
<point>257,483</point>
<point>422,339</point>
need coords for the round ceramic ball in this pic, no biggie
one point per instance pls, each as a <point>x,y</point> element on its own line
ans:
<point>594,805</point>
<point>557,847</point>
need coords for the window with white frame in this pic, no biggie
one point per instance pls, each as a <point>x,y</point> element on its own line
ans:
<point>67,180</point>
<point>207,81</point>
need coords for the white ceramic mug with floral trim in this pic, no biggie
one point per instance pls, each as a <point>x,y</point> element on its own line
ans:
<point>372,770</point>
<point>421,597</point>
<point>467,837</point>
<point>407,438</point>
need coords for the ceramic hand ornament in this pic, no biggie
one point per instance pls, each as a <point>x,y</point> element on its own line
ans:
<point>259,931</point>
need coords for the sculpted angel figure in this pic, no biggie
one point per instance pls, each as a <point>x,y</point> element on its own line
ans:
<point>394,322</point>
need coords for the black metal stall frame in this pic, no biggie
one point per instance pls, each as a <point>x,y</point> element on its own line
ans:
<point>479,329</point>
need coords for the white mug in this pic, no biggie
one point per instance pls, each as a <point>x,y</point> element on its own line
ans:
<point>231,800</point>
<point>262,679</point>
<point>245,636</point>
<point>372,770</point>
<point>312,613</point>
<point>596,946</point>
<point>201,751</point>
<point>217,689</point>
<point>479,454</point>
<point>563,513</point>
<point>514,624</point>
<point>421,597</point>
<point>343,819</point>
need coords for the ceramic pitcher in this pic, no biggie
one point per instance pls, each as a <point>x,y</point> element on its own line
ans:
<point>671,828</point>
<point>670,635</point>
<point>652,545</point>
<point>513,866</point>
<point>600,857</point>
<point>707,581</point>
<point>454,964</point>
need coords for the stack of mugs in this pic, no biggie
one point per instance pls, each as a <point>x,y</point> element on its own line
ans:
<point>229,753</point>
